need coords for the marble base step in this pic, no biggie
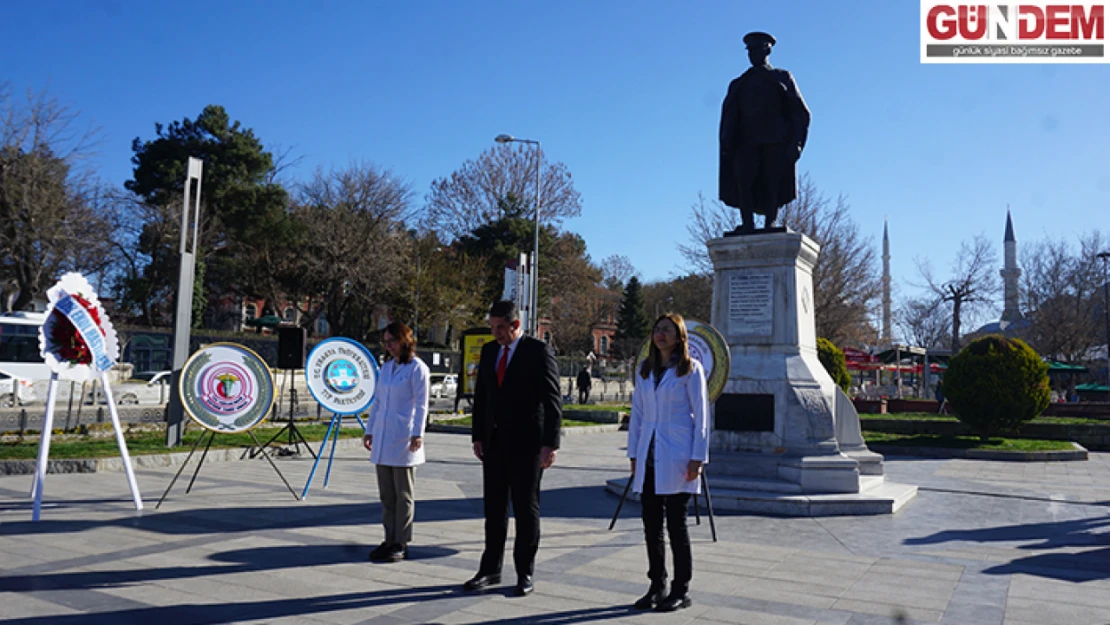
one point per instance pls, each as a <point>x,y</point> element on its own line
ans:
<point>876,496</point>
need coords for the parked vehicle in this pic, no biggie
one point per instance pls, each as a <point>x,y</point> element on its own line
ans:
<point>154,377</point>
<point>145,387</point>
<point>19,345</point>
<point>15,389</point>
<point>443,385</point>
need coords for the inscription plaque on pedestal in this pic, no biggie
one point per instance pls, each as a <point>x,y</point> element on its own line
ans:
<point>745,412</point>
<point>751,304</point>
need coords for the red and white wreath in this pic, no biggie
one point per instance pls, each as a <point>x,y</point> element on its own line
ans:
<point>64,348</point>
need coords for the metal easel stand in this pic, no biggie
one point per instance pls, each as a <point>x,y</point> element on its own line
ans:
<point>697,513</point>
<point>333,433</point>
<point>296,438</point>
<point>211,434</point>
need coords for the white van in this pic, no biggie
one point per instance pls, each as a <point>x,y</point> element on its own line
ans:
<point>443,385</point>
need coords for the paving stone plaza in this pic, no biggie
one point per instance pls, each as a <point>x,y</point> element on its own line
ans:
<point>983,543</point>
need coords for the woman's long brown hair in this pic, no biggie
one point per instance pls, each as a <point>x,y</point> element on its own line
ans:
<point>402,333</point>
<point>655,357</point>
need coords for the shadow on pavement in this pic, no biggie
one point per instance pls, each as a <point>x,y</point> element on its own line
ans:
<point>1071,565</point>
<point>215,613</point>
<point>1075,533</point>
<point>580,502</point>
<point>237,561</point>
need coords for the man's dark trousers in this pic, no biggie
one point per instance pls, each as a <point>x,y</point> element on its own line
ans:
<point>511,474</point>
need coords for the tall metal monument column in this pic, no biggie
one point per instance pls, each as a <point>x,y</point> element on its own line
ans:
<point>183,314</point>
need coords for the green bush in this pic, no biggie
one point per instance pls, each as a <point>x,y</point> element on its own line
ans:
<point>995,384</point>
<point>833,360</point>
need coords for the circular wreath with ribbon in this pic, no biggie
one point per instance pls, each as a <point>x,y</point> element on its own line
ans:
<point>77,340</point>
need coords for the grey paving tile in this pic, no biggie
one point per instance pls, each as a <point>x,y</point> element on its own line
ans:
<point>982,542</point>
<point>973,614</point>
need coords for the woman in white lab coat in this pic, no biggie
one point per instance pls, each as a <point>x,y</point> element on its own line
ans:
<point>395,437</point>
<point>667,445</point>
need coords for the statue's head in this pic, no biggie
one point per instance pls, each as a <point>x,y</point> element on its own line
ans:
<point>759,47</point>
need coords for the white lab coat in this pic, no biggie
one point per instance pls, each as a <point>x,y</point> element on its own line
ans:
<point>676,412</point>
<point>399,412</point>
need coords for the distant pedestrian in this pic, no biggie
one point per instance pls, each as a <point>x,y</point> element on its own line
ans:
<point>667,445</point>
<point>584,383</point>
<point>395,438</point>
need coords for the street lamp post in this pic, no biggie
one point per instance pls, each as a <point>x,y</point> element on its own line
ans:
<point>534,316</point>
<point>1105,256</point>
<point>416,307</point>
<point>669,300</point>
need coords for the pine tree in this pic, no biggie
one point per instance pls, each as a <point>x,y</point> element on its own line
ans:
<point>633,324</point>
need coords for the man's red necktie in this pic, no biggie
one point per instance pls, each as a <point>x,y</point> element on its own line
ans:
<point>502,364</point>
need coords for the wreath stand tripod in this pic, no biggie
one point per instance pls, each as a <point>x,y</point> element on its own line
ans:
<point>697,513</point>
<point>295,437</point>
<point>211,434</point>
<point>333,430</point>
<point>44,445</point>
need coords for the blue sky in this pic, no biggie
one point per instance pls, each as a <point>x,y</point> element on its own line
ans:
<point>626,94</point>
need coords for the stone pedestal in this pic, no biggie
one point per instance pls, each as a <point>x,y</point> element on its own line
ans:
<point>782,427</point>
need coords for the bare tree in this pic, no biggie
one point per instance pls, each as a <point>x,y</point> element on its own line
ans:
<point>925,322</point>
<point>690,296</point>
<point>442,285</point>
<point>457,281</point>
<point>1060,289</point>
<point>475,194</point>
<point>615,272</point>
<point>54,216</point>
<point>709,219</point>
<point>972,286</point>
<point>574,315</point>
<point>353,248</point>
<point>846,283</point>
<point>575,304</point>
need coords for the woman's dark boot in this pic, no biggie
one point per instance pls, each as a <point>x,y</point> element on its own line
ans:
<point>655,594</point>
<point>678,599</point>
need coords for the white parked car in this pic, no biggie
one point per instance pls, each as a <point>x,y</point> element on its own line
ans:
<point>147,387</point>
<point>443,385</point>
<point>154,377</point>
<point>23,387</point>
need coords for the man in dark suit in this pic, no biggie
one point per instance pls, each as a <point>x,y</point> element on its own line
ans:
<point>764,125</point>
<point>517,419</point>
<point>584,383</point>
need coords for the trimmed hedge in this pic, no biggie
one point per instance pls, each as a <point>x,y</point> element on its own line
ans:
<point>995,384</point>
<point>833,360</point>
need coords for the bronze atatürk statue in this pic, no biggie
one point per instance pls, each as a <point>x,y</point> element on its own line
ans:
<point>764,123</point>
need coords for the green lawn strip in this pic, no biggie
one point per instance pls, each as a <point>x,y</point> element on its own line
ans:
<point>929,416</point>
<point>153,443</point>
<point>966,442</point>
<point>570,423</point>
<point>598,407</point>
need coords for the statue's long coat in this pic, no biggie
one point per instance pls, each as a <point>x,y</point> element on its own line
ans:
<point>763,106</point>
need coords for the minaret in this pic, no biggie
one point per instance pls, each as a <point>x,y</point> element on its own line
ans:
<point>886,337</point>
<point>1010,274</point>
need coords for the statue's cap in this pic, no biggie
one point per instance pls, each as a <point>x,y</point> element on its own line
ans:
<point>758,39</point>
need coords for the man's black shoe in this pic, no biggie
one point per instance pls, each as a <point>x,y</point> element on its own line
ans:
<point>674,602</point>
<point>654,597</point>
<point>482,580</point>
<point>524,586</point>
